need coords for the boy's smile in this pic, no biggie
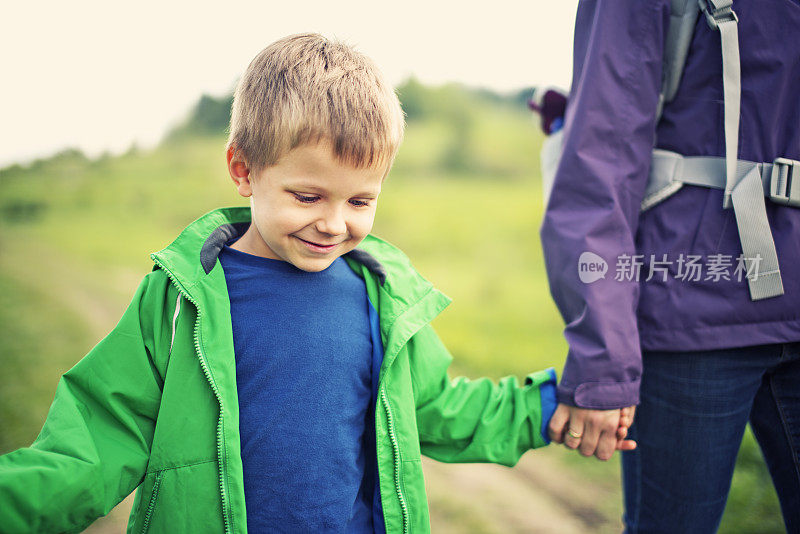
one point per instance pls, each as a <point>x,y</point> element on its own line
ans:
<point>308,208</point>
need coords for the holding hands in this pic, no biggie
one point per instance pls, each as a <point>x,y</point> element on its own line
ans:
<point>593,432</point>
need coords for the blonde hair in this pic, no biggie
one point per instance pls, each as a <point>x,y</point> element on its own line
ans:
<point>305,88</point>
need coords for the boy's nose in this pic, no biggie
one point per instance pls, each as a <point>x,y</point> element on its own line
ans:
<point>332,223</point>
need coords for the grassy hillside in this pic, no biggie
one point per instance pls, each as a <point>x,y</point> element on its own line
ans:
<point>463,201</point>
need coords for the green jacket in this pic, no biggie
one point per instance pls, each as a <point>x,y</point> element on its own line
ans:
<point>155,405</point>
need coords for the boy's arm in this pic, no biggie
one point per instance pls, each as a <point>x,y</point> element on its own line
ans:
<point>465,420</point>
<point>93,449</point>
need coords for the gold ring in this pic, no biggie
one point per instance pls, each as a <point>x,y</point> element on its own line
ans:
<point>574,434</point>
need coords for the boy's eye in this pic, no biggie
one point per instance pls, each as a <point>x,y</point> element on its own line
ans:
<point>305,198</point>
<point>359,203</point>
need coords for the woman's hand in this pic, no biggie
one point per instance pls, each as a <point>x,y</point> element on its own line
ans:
<point>593,432</point>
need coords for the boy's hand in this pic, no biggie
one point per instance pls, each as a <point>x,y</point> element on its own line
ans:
<point>625,422</point>
<point>593,432</point>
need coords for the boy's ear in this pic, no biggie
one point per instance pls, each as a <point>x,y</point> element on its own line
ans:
<point>239,171</point>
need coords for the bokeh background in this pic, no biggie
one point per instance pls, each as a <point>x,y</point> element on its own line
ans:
<point>114,128</point>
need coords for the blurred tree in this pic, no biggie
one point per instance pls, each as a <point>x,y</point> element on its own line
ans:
<point>458,154</point>
<point>415,99</point>
<point>210,116</point>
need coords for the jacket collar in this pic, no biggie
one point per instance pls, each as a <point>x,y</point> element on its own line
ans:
<point>194,253</point>
<point>191,260</point>
<point>188,257</point>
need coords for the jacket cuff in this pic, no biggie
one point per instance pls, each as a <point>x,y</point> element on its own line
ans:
<point>545,381</point>
<point>600,395</point>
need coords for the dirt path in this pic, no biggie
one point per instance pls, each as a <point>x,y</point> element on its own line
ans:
<point>539,495</point>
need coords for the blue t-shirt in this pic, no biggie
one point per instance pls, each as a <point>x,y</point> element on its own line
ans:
<point>304,375</point>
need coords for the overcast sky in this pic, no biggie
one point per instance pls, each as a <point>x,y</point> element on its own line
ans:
<point>100,75</point>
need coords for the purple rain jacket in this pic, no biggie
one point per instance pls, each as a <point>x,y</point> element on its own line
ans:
<point>610,131</point>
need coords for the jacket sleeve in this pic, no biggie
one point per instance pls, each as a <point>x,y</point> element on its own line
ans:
<point>599,185</point>
<point>463,420</point>
<point>94,447</point>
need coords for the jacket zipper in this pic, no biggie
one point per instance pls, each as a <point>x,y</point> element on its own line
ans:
<point>152,503</point>
<point>207,373</point>
<point>396,456</point>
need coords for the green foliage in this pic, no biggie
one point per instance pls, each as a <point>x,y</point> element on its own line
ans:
<point>469,133</point>
<point>416,100</point>
<point>210,116</point>
<point>21,211</point>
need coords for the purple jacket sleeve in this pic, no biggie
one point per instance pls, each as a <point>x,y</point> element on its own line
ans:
<point>609,135</point>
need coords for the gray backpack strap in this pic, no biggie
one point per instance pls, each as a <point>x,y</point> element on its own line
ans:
<point>755,236</point>
<point>745,195</point>
<point>682,21</point>
<point>779,180</point>
<point>743,183</point>
<point>720,16</point>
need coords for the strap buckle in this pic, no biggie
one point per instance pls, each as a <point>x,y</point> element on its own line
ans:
<point>717,12</point>
<point>784,183</point>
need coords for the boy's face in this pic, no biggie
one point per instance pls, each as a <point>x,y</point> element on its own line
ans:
<point>307,209</point>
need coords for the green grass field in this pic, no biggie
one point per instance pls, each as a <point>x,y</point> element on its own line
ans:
<point>76,234</point>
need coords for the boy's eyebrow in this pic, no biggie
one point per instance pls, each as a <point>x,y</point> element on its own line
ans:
<point>309,186</point>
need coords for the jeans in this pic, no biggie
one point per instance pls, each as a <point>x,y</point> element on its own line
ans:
<point>693,413</point>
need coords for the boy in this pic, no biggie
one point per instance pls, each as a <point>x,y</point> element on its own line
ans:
<point>269,375</point>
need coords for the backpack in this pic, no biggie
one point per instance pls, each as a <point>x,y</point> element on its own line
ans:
<point>745,183</point>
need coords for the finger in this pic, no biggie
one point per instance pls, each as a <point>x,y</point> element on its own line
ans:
<point>606,445</point>
<point>622,443</point>
<point>558,423</point>
<point>629,444</point>
<point>598,424</point>
<point>626,416</point>
<point>575,433</point>
<point>574,436</point>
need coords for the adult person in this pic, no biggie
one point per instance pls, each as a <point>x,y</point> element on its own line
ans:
<point>671,324</point>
